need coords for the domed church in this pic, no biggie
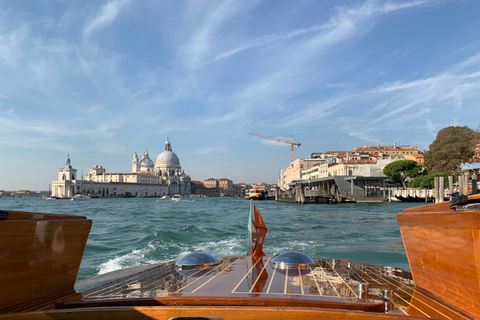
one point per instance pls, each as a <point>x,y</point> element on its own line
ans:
<point>167,168</point>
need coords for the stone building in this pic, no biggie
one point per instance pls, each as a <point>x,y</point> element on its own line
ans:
<point>164,178</point>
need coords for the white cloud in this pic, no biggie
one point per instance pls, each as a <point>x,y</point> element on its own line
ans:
<point>104,17</point>
<point>211,150</point>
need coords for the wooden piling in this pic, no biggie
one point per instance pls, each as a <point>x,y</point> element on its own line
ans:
<point>450,184</point>
<point>474,184</point>
<point>441,189</point>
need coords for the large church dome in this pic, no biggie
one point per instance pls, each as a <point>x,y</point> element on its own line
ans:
<point>167,157</point>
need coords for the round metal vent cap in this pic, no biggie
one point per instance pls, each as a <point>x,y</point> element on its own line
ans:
<point>292,258</point>
<point>199,259</point>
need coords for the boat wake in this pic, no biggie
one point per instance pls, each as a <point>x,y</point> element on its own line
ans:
<point>157,251</point>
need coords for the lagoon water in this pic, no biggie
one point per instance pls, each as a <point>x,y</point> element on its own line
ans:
<point>135,231</point>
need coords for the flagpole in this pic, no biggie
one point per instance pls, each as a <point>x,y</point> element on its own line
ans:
<point>250,230</point>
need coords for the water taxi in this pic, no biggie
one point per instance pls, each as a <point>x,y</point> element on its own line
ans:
<point>176,197</point>
<point>255,194</point>
<point>41,254</point>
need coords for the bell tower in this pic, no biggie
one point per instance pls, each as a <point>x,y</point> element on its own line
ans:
<point>135,163</point>
<point>66,184</point>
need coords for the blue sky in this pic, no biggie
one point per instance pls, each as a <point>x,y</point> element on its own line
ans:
<point>99,80</point>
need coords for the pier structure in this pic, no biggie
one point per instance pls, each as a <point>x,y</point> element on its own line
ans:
<point>338,189</point>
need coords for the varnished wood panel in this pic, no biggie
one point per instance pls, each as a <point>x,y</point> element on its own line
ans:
<point>226,313</point>
<point>39,255</point>
<point>443,250</point>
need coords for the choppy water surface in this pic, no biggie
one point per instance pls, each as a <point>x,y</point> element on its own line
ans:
<point>132,232</point>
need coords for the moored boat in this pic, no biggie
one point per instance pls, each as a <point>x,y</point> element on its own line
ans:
<point>80,197</point>
<point>443,282</point>
<point>57,198</point>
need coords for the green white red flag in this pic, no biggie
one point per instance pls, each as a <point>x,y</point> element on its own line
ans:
<point>256,232</point>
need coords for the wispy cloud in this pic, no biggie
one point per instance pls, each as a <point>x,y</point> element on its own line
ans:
<point>104,17</point>
<point>344,23</point>
<point>289,70</point>
<point>211,150</point>
<point>266,40</point>
<point>200,41</point>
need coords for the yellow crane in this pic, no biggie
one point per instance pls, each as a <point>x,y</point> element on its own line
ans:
<point>280,140</point>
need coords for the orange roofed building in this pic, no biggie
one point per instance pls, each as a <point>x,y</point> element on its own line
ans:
<point>395,151</point>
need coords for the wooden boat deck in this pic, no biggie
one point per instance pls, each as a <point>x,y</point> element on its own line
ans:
<point>242,281</point>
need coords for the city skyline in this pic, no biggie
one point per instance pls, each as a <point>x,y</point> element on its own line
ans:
<point>101,80</point>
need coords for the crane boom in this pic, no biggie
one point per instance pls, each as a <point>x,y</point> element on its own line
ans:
<point>291,143</point>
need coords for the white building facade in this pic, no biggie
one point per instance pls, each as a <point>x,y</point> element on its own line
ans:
<point>164,178</point>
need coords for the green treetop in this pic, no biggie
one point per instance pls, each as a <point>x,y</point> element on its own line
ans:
<point>401,170</point>
<point>452,147</point>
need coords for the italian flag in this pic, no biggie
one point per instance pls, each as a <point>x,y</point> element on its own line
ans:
<point>256,232</point>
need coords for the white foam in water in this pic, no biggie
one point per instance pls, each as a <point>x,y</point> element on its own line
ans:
<point>136,258</point>
<point>122,261</point>
<point>132,259</point>
<point>229,247</point>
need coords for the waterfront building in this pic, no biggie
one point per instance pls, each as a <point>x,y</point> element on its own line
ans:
<point>217,187</point>
<point>416,157</point>
<point>147,179</point>
<point>395,151</point>
<point>366,162</point>
<point>293,171</point>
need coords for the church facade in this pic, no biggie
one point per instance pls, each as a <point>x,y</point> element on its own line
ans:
<point>148,179</point>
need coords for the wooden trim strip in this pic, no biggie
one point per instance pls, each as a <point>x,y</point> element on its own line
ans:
<point>271,280</point>
<point>245,276</point>
<point>258,277</point>
<point>190,283</point>
<point>301,280</point>
<point>222,301</point>
<point>343,280</point>
<point>214,276</point>
<point>315,280</point>
<point>326,277</point>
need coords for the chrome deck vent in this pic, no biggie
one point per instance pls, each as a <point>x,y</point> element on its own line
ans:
<point>198,259</point>
<point>292,258</point>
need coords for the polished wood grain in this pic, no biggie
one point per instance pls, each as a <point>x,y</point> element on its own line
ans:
<point>443,249</point>
<point>40,255</point>
<point>225,312</point>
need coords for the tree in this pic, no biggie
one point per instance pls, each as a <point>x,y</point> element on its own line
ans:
<point>401,170</point>
<point>452,147</point>
<point>427,181</point>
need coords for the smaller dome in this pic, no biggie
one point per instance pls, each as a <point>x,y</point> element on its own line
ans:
<point>146,162</point>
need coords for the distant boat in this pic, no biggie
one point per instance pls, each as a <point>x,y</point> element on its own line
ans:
<point>80,197</point>
<point>255,194</point>
<point>56,198</point>
<point>177,197</point>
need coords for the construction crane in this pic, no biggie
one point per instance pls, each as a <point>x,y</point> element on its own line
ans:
<point>291,143</point>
